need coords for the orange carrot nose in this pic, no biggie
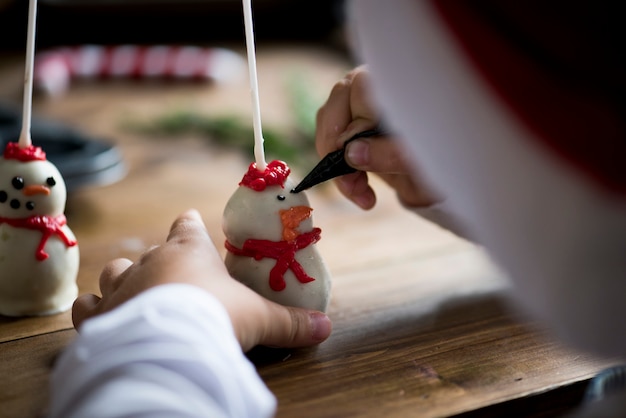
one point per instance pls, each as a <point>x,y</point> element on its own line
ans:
<point>35,189</point>
<point>291,218</point>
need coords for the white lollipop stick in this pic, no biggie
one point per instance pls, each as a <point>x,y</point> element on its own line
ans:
<point>259,152</point>
<point>25,139</point>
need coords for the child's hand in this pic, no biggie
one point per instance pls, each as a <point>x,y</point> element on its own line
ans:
<point>347,112</point>
<point>190,257</point>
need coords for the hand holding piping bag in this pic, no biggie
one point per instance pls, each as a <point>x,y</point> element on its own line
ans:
<point>349,111</point>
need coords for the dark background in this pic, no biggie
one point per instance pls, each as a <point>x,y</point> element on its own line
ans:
<point>73,22</point>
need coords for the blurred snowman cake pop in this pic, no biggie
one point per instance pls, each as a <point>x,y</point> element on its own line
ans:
<point>38,253</point>
<point>270,240</point>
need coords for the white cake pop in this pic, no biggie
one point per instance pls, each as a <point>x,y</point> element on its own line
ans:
<point>39,255</point>
<point>270,240</point>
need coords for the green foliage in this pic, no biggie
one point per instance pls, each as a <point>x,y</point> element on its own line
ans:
<point>294,145</point>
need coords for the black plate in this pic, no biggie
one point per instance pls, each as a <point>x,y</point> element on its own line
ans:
<point>82,160</point>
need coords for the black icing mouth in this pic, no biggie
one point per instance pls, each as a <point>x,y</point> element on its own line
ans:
<point>15,203</point>
<point>18,183</point>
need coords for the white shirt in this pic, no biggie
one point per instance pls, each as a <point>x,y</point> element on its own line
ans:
<point>169,352</point>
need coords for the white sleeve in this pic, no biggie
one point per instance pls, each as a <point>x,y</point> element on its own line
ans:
<point>171,351</point>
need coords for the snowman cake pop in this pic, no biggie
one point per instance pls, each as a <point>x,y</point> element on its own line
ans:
<point>270,240</point>
<point>38,253</point>
<point>270,236</point>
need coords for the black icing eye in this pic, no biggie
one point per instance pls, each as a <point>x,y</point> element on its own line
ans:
<point>30,205</point>
<point>51,181</point>
<point>18,183</point>
<point>280,197</point>
<point>3,196</point>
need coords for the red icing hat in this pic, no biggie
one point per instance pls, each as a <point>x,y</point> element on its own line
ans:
<point>30,153</point>
<point>274,174</point>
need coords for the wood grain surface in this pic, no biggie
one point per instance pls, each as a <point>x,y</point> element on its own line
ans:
<point>423,321</point>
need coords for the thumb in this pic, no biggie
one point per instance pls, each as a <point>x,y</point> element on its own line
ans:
<point>294,327</point>
<point>378,155</point>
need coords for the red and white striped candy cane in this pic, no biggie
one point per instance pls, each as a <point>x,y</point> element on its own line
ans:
<point>54,69</point>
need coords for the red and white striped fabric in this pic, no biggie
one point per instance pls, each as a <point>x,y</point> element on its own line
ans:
<point>54,69</point>
<point>515,111</point>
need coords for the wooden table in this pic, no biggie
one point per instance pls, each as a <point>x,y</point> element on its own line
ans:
<point>422,322</point>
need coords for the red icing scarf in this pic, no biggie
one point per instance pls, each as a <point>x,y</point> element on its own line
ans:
<point>284,252</point>
<point>46,225</point>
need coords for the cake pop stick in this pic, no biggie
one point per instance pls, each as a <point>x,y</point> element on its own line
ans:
<point>25,139</point>
<point>259,153</point>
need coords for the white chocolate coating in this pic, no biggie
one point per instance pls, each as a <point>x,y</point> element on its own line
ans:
<point>29,286</point>
<point>256,215</point>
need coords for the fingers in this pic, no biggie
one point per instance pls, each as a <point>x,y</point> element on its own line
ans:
<point>356,187</point>
<point>361,104</point>
<point>378,155</point>
<point>110,275</point>
<point>189,230</point>
<point>333,118</point>
<point>188,225</point>
<point>348,110</point>
<point>87,305</point>
<point>294,327</point>
<point>84,307</point>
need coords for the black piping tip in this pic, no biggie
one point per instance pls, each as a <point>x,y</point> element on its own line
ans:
<point>334,164</point>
